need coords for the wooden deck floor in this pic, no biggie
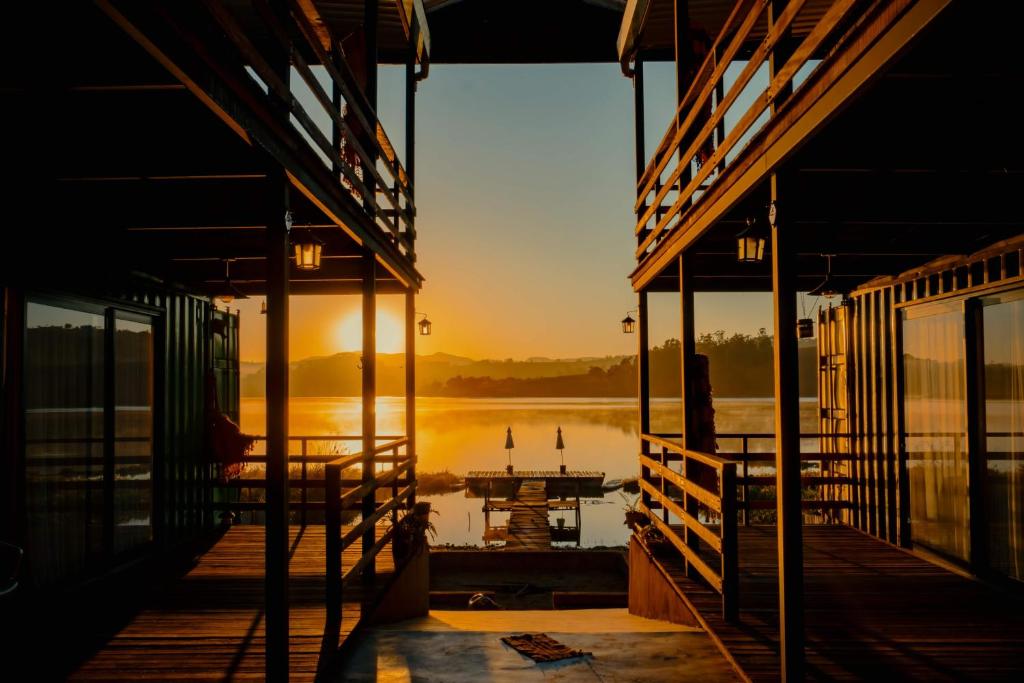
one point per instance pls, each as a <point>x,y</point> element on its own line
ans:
<point>209,626</point>
<point>873,612</point>
<point>528,526</point>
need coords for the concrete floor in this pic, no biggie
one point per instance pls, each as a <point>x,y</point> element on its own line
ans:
<point>465,647</point>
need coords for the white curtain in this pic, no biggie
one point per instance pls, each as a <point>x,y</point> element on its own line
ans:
<point>1004,413</point>
<point>936,425</point>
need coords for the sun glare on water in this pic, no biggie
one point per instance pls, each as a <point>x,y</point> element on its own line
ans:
<point>348,333</point>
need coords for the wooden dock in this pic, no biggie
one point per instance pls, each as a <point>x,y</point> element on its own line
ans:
<point>873,612</point>
<point>210,626</point>
<point>499,483</point>
<point>528,527</point>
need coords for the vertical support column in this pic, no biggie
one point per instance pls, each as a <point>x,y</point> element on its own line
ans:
<point>410,386</point>
<point>684,52</point>
<point>643,383</point>
<point>974,370</point>
<point>369,398</point>
<point>371,10</point>
<point>787,444</point>
<point>276,548</point>
<point>687,350</point>
<point>638,117</point>
<point>410,153</point>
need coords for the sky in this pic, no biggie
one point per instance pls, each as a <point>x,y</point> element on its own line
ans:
<point>525,182</point>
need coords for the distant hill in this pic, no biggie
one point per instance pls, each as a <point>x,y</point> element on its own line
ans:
<point>339,374</point>
<point>741,366</point>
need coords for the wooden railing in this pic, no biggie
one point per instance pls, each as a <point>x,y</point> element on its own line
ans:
<point>364,156</point>
<point>697,137</point>
<point>363,496</point>
<point>700,494</point>
<point>821,484</point>
<point>305,482</point>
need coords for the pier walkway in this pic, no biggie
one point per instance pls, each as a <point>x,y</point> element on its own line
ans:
<point>528,527</point>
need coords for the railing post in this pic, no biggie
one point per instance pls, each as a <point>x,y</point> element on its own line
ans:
<point>394,482</point>
<point>730,544</point>
<point>369,400</point>
<point>302,512</point>
<point>332,529</point>
<point>746,483</point>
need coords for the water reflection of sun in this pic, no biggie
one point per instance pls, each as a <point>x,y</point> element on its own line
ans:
<point>348,333</point>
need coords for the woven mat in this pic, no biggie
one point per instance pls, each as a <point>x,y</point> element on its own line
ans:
<point>541,648</point>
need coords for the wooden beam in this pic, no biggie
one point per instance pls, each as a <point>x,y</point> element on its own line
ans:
<point>369,369</point>
<point>787,442</point>
<point>640,156</point>
<point>276,582</point>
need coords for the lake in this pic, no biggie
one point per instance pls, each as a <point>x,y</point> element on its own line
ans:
<point>463,434</point>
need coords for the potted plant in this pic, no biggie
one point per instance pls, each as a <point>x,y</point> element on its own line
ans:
<point>410,533</point>
<point>635,519</point>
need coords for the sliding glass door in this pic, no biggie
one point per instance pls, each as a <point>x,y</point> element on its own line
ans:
<point>89,373</point>
<point>1003,319</point>
<point>935,414</point>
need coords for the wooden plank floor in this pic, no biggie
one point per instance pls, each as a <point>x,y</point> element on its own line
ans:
<point>210,626</point>
<point>528,526</point>
<point>873,612</point>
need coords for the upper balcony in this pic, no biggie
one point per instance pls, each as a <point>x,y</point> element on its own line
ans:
<point>170,142</point>
<point>849,99</point>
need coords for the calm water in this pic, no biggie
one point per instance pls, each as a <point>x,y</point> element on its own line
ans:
<point>460,435</point>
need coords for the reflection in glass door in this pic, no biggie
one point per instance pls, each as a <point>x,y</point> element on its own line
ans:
<point>133,432</point>
<point>936,427</point>
<point>1003,316</point>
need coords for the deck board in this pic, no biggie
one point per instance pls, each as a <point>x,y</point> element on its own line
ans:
<point>209,626</point>
<point>873,612</point>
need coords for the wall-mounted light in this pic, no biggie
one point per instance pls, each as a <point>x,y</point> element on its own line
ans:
<point>308,249</point>
<point>750,244</point>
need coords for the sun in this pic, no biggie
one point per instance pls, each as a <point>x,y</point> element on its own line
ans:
<point>348,333</point>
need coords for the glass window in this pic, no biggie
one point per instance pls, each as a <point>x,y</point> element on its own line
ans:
<point>133,434</point>
<point>64,446</point>
<point>936,425</point>
<point>1004,432</point>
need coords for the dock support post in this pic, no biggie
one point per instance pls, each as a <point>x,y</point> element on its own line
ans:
<point>787,442</point>
<point>277,248</point>
<point>644,387</point>
<point>691,439</point>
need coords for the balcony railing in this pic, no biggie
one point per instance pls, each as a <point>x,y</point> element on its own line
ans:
<point>360,154</point>
<point>698,138</point>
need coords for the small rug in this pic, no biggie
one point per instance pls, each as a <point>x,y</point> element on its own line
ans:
<point>541,648</point>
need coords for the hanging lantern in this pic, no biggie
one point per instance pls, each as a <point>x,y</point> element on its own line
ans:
<point>228,291</point>
<point>804,328</point>
<point>750,244</point>
<point>828,287</point>
<point>263,307</point>
<point>424,326</point>
<point>628,324</point>
<point>307,252</point>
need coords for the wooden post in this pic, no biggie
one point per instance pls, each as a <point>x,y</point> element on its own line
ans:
<point>691,440</point>
<point>371,9</point>
<point>684,54</point>
<point>787,443</point>
<point>369,399</point>
<point>643,366</point>
<point>730,544</point>
<point>277,248</point>
<point>332,529</point>
<point>638,117</point>
<point>410,387</point>
<point>974,377</point>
